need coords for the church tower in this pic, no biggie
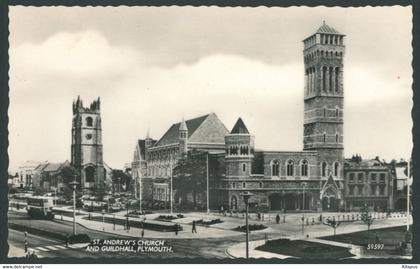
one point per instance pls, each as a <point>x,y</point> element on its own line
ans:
<point>86,146</point>
<point>323,99</point>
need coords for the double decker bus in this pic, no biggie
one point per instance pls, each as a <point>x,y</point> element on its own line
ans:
<point>40,207</point>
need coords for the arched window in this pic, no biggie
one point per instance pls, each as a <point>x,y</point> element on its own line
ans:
<point>243,185</point>
<point>336,112</point>
<point>261,185</point>
<point>90,174</point>
<point>290,168</point>
<point>336,167</point>
<point>324,169</point>
<point>324,75</point>
<point>275,168</point>
<point>336,138</point>
<point>324,137</point>
<point>330,81</point>
<point>304,168</point>
<point>89,121</point>
<point>243,167</point>
<point>337,73</point>
<point>325,112</point>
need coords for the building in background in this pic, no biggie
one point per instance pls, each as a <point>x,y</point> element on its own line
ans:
<point>368,183</point>
<point>26,174</point>
<point>401,182</point>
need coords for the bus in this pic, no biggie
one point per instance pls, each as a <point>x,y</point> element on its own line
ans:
<point>40,207</point>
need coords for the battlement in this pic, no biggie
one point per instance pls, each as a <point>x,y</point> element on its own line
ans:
<point>93,108</point>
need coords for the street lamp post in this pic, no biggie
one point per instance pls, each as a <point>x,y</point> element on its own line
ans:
<point>171,190</point>
<point>74,184</point>
<point>207,177</point>
<point>303,209</point>
<point>246,196</point>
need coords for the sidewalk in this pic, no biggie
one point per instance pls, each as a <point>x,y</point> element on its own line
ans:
<point>15,252</point>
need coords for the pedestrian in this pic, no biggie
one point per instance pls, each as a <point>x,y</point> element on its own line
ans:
<point>320,218</point>
<point>67,240</point>
<point>142,233</point>
<point>194,228</point>
<point>176,228</point>
<point>259,215</point>
<point>278,219</point>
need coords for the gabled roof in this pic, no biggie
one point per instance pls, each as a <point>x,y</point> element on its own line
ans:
<point>52,167</point>
<point>239,128</point>
<point>325,29</point>
<point>172,134</point>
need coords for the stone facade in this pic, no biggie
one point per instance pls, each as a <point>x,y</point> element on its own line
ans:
<point>368,183</point>
<point>86,147</point>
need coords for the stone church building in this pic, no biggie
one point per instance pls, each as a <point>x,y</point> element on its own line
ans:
<point>311,179</point>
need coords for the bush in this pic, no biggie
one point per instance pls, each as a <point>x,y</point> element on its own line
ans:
<point>252,227</point>
<point>79,238</point>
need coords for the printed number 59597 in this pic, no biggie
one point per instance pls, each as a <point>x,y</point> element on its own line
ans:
<point>375,246</point>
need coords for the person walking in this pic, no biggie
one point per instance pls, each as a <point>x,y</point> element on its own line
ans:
<point>67,240</point>
<point>278,219</point>
<point>194,228</point>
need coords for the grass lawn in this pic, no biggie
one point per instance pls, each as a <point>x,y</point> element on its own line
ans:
<point>388,236</point>
<point>304,249</point>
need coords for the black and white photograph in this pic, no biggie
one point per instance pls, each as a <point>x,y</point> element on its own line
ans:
<point>282,133</point>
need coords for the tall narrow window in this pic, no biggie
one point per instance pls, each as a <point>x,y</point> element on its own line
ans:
<point>330,77</point>
<point>243,167</point>
<point>304,168</point>
<point>89,121</point>
<point>290,168</point>
<point>243,185</point>
<point>336,138</point>
<point>337,73</point>
<point>324,169</point>
<point>275,169</point>
<point>324,78</point>
<point>336,167</point>
<point>336,112</point>
<point>324,137</point>
<point>325,112</point>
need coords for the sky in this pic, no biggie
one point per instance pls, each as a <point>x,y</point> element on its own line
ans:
<point>152,66</point>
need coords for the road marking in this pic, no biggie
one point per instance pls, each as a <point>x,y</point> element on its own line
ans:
<point>52,247</point>
<point>41,248</point>
<point>60,247</point>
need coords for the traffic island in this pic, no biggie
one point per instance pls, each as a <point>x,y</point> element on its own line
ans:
<point>305,249</point>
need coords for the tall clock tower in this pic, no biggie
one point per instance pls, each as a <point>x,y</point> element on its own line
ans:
<point>86,146</point>
<point>323,99</point>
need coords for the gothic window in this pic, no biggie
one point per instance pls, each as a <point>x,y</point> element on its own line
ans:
<point>261,185</point>
<point>234,185</point>
<point>325,112</point>
<point>275,169</point>
<point>337,73</point>
<point>336,138</point>
<point>324,75</point>
<point>243,185</point>
<point>304,168</point>
<point>324,169</point>
<point>324,137</point>
<point>330,82</point>
<point>89,121</point>
<point>289,168</point>
<point>90,174</point>
<point>336,167</point>
<point>243,167</point>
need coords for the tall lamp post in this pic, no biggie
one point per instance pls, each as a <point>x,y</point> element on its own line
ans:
<point>303,208</point>
<point>246,195</point>
<point>74,184</point>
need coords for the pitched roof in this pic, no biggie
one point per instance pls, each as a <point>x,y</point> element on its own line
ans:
<point>325,29</point>
<point>171,135</point>
<point>239,128</point>
<point>51,167</point>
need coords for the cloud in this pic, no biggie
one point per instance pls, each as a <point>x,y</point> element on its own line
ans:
<point>81,55</point>
<point>136,96</point>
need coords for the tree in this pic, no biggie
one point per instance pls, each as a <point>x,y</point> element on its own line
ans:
<point>120,178</point>
<point>368,219</point>
<point>333,224</point>
<point>189,176</point>
<point>68,174</point>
